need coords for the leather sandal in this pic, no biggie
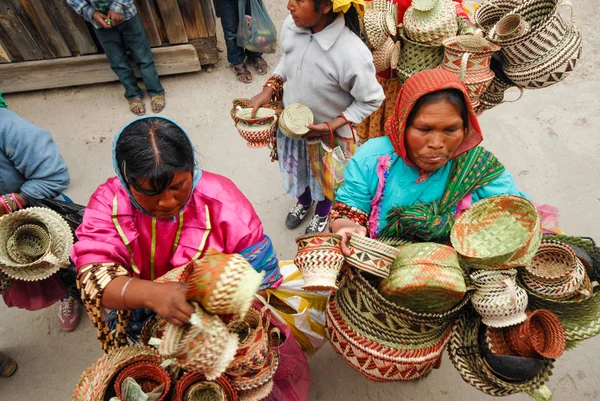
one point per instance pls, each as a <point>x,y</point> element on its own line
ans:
<point>259,64</point>
<point>242,73</point>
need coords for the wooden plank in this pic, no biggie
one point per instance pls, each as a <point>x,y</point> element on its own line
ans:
<point>47,28</point>
<point>210,19</point>
<point>5,56</point>
<point>144,8</point>
<point>207,50</point>
<point>73,27</point>
<point>193,19</point>
<point>73,71</point>
<point>16,34</point>
<point>172,20</point>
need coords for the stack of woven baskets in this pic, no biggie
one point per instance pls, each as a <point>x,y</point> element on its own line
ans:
<point>380,27</point>
<point>258,131</point>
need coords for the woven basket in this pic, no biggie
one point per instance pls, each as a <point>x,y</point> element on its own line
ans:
<point>374,317</point>
<point>382,57</point>
<point>509,27</point>
<point>395,56</point>
<point>425,278</point>
<point>253,333</point>
<point>258,377</point>
<point>430,22</point>
<point>496,342</point>
<point>463,350</point>
<point>374,22</point>
<point>148,375</point>
<point>57,257</point>
<point>204,345</point>
<point>257,135</point>
<point>497,298</point>
<point>371,256</point>
<point>241,103</point>
<point>541,335</point>
<point>491,11</point>
<point>191,378</point>
<point>5,282</point>
<point>377,362</point>
<point>293,120</point>
<point>95,381</point>
<point>417,57</point>
<point>319,259</point>
<point>497,232</point>
<point>28,244</point>
<point>263,116</point>
<point>223,284</point>
<point>256,394</point>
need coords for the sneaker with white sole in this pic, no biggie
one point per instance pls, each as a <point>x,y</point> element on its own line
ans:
<point>68,314</point>
<point>317,224</point>
<point>296,215</point>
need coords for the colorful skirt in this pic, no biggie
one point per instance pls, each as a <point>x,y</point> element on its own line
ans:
<point>374,125</point>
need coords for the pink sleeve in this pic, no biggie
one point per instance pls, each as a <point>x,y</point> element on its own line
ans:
<point>98,239</point>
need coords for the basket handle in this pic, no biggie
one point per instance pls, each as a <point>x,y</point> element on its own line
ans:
<point>463,65</point>
<point>351,127</point>
<point>570,5</point>
<point>331,134</point>
<point>517,99</point>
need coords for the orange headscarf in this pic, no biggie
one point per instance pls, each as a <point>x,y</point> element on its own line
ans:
<point>417,86</point>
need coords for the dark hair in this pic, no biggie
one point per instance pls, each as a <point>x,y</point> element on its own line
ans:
<point>453,96</point>
<point>153,149</point>
<point>351,16</point>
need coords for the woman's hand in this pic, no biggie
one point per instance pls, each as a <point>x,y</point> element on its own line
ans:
<point>346,229</point>
<point>318,131</point>
<point>169,302</point>
<point>264,97</point>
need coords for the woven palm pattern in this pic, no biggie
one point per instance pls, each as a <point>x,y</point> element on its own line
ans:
<point>190,378</point>
<point>254,341</point>
<point>371,255</point>
<point>382,57</point>
<point>497,231</point>
<point>430,23</point>
<point>256,394</point>
<point>293,120</point>
<point>319,259</point>
<point>377,362</point>
<point>238,104</point>
<point>257,135</point>
<point>490,12</point>
<point>470,364</point>
<point>257,377</point>
<point>425,277</point>
<point>29,243</point>
<point>416,56</point>
<point>95,380</point>
<point>374,23</point>
<point>5,282</point>
<point>205,391</point>
<point>223,284</point>
<point>497,298</point>
<point>496,342</point>
<point>378,319</point>
<point>541,335</point>
<point>148,375</point>
<point>205,345</point>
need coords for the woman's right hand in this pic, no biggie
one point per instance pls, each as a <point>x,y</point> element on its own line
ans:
<point>170,303</point>
<point>264,97</point>
<point>346,232</point>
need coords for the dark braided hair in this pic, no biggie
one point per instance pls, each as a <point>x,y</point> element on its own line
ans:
<point>351,16</point>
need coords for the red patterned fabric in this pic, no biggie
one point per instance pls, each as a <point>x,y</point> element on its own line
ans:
<point>417,86</point>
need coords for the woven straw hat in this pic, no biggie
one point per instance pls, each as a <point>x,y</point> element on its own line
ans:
<point>94,382</point>
<point>425,277</point>
<point>34,243</point>
<point>293,120</point>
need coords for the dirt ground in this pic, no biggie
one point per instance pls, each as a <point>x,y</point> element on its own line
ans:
<point>548,140</point>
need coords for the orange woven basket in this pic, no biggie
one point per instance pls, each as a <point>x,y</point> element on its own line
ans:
<point>541,335</point>
<point>148,375</point>
<point>191,378</point>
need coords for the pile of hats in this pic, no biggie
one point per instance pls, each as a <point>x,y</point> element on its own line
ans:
<point>380,27</point>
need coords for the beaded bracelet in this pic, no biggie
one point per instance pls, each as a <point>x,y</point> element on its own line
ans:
<point>276,83</point>
<point>5,205</point>
<point>11,203</point>
<point>14,198</point>
<point>340,210</point>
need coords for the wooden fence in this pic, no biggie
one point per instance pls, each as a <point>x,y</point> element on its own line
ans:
<point>38,35</point>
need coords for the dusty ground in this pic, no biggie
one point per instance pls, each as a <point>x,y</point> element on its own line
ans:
<point>548,140</point>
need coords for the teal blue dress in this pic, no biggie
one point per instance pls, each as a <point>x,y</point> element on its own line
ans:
<point>377,179</point>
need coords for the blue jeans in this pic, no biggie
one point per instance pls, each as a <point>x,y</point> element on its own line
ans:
<point>228,12</point>
<point>130,36</point>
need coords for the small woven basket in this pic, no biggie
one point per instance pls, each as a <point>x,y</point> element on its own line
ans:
<point>28,244</point>
<point>497,298</point>
<point>417,57</point>
<point>263,116</point>
<point>258,377</point>
<point>257,135</point>
<point>374,23</point>
<point>239,104</point>
<point>148,375</point>
<point>541,335</point>
<point>430,22</point>
<point>319,259</point>
<point>382,57</point>
<point>490,12</point>
<point>497,232</point>
<point>191,378</point>
<point>254,340</point>
<point>425,277</point>
<point>371,256</point>
<point>294,119</point>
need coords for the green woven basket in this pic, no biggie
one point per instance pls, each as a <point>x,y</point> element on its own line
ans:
<point>415,56</point>
<point>425,277</point>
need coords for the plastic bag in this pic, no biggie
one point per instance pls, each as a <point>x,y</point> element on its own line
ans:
<point>256,32</point>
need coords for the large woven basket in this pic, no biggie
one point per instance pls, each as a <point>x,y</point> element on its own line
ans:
<point>430,21</point>
<point>377,362</point>
<point>497,232</point>
<point>491,11</point>
<point>191,378</point>
<point>204,345</point>
<point>293,120</point>
<point>319,259</point>
<point>497,298</point>
<point>371,256</point>
<point>95,381</point>
<point>376,318</point>
<point>426,278</point>
<point>148,375</point>
<point>464,353</point>
<point>416,56</point>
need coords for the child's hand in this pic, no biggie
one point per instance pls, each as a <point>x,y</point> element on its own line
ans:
<point>261,99</point>
<point>317,131</point>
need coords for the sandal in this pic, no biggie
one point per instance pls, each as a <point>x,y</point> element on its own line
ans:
<point>158,103</point>
<point>259,64</point>
<point>242,73</point>
<point>137,106</point>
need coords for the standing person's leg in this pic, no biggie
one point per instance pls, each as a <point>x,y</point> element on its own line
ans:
<point>255,59</point>
<point>115,50</point>
<point>134,37</point>
<point>228,11</point>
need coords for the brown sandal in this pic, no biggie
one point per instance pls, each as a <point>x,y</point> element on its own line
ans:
<point>242,73</point>
<point>259,64</point>
<point>137,106</point>
<point>158,103</point>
